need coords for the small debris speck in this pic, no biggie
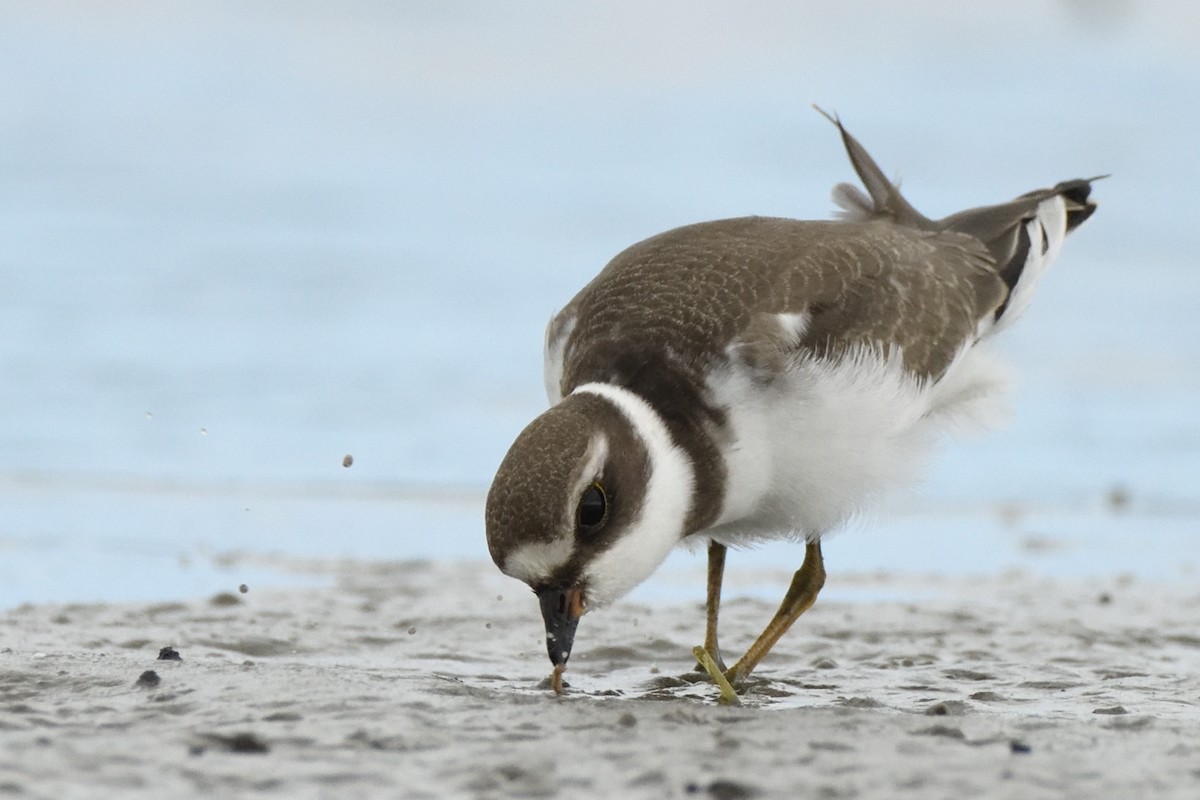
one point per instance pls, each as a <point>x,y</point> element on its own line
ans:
<point>627,720</point>
<point>1118,498</point>
<point>148,679</point>
<point>243,588</point>
<point>169,654</point>
<point>412,630</point>
<point>1104,599</point>
<point>347,460</point>
<point>1018,746</point>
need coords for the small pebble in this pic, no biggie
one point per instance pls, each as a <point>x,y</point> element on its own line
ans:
<point>1111,710</point>
<point>1019,747</point>
<point>237,743</point>
<point>412,630</point>
<point>148,679</point>
<point>243,588</point>
<point>348,460</point>
<point>169,654</point>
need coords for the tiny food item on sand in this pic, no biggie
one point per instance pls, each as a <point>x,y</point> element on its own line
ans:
<point>728,695</point>
<point>169,654</point>
<point>556,682</point>
<point>348,460</point>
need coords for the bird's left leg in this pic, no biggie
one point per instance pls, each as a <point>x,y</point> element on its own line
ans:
<point>806,584</point>
<point>716,573</point>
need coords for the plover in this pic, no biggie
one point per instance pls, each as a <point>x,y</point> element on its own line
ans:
<point>757,378</point>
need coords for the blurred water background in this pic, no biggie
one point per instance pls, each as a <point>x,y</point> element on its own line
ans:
<point>239,241</point>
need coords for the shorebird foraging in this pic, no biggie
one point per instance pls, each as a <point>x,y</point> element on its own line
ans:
<point>758,378</point>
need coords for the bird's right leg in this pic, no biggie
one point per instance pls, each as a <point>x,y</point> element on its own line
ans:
<point>716,574</point>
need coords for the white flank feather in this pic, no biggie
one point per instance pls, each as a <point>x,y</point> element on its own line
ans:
<point>816,446</point>
<point>557,333</point>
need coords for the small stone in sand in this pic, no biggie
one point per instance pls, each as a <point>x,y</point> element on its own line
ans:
<point>225,599</point>
<point>243,588</point>
<point>148,679</point>
<point>169,654</point>
<point>723,790</point>
<point>237,743</point>
<point>348,460</point>
<point>412,630</point>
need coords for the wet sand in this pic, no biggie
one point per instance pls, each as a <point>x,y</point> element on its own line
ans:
<point>425,680</point>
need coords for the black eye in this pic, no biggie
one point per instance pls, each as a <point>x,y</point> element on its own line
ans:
<point>593,508</point>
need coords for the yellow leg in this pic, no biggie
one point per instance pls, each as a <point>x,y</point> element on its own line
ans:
<point>806,585</point>
<point>716,573</point>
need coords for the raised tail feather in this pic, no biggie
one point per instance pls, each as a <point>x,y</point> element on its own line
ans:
<point>1008,230</point>
<point>1025,235</point>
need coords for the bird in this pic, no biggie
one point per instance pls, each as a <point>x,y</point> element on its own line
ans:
<point>757,378</point>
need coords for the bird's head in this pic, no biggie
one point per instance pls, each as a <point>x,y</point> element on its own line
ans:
<point>590,499</point>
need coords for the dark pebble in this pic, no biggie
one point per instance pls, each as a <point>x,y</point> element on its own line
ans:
<point>1111,710</point>
<point>1019,747</point>
<point>238,743</point>
<point>148,679</point>
<point>723,790</point>
<point>169,654</point>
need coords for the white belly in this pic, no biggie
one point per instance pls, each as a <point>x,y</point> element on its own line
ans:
<point>821,441</point>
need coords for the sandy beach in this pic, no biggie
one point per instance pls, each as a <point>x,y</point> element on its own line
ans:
<point>276,279</point>
<point>426,680</point>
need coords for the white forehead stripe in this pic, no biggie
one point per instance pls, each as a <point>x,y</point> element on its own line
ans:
<point>665,506</point>
<point>534,561</point>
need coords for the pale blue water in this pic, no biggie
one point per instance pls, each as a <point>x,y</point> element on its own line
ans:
<point>240,241</point>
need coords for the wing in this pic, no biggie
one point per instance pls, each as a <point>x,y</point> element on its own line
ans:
<point>921,297</point>
<point>759,288</point>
